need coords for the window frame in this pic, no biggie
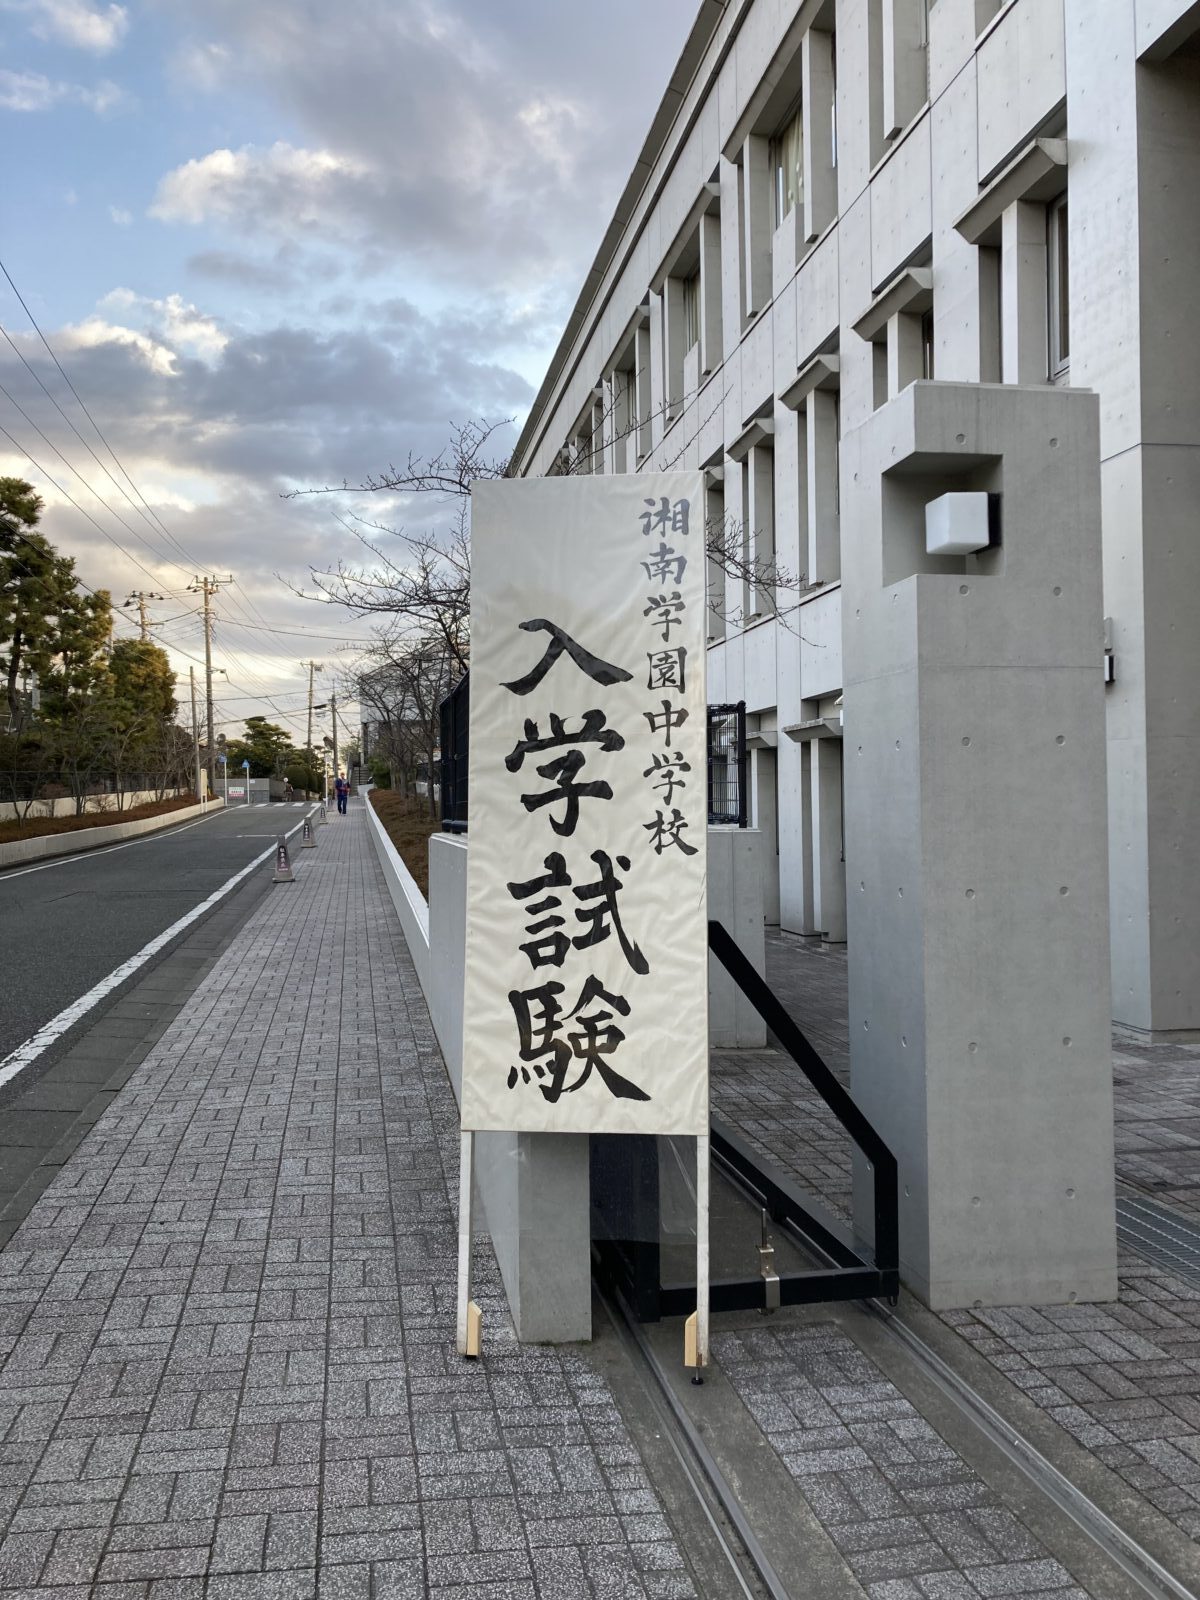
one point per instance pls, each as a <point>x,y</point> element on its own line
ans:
<point>791,126</point>
<point>691,311</point>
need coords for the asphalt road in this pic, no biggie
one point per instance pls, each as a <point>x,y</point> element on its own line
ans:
<point>68,923</point>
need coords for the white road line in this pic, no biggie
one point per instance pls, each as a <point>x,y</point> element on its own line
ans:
<point>107,850</point>
<point>24,1055</point>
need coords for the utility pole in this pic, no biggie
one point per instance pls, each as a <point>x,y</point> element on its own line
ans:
<point>208,586</point>
<point>201,793</point>
<point>313,667</point>
<point>333,709</point>
<point>139,598</point>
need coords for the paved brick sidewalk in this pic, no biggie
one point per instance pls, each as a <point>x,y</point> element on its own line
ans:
<point>226,1328</point>
<point>911,1518</point>
<point>1122,1379</point>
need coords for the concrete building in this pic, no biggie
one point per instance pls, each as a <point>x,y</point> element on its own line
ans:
<point>912,280</point>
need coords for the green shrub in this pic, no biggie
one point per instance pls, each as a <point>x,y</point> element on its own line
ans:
<point>302,777</point>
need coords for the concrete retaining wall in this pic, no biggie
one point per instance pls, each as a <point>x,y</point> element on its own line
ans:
<point>64,805</point>
<point>69,844</point>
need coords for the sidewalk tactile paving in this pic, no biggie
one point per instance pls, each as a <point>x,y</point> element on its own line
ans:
<point>227,1326</point>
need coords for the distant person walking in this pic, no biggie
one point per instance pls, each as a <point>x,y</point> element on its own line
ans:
<point>342,789</point>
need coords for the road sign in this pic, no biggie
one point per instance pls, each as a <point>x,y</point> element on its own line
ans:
<point>222,758</point>
<point>245,766</point>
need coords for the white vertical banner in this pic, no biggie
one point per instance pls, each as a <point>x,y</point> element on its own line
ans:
<point>586,986</point>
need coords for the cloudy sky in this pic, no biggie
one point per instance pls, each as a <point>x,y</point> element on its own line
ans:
<point>281,243</point>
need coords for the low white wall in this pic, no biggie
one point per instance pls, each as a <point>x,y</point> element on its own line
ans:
<point>406,897</point>
<point>69,844</point>
<point>64,805</point>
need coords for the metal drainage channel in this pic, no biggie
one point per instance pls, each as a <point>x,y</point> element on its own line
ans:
<point>679,1426</point>
<point>1181,1244</point>
<point>1165,1238</point>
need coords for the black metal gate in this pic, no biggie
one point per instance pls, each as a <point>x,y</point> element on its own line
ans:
<point>727,765</point>
<point>455,718</point>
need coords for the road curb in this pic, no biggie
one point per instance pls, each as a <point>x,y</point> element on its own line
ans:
<point>81,839</point>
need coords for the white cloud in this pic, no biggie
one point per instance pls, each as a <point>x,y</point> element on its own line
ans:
<point>202,65</point>
<point>94,332</point>
<point>75,23</point>
<point>120,216</point>
<point>281,183</point>
<point>174,324</point>
<point>33,91</point>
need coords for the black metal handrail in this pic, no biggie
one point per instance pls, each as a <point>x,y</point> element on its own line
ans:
<point>783,1201</point>
<point>626,1199</point>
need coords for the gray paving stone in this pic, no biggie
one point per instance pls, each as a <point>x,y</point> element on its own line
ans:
<point>226,1326</point>
<point>1111,1375</point>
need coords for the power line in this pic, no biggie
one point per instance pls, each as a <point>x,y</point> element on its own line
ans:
<point>83,407</point>
<point>152,517</point>
<point>77,474</point>
<point>148,514</point>
<point>37,467</point>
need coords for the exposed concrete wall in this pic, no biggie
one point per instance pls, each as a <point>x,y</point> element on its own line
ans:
<point>68,844</point>
<point>975,844</point>
<point>1105,76</point>
<point>1134,130</point>
<point>737,861</point>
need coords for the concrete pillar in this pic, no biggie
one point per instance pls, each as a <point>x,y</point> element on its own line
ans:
<point>766,820</point>
<point>714,513</point>
<point>1023,293</point>
<point>828,871</point>
<point>905,356</point>
<point>757,223</point>
<point>673,351</point>
<point>760,527</point>
<point>657,372</point>
<point>1169,136</point>
<point>735,899</point>
<point>976,843</point>
<point>905,84</point>
<point>821,485</point>
<point>795,836</point>
<point>711,351</point>
<point>1133,339</point>
<point>643,386</point>
<point>820,171</point>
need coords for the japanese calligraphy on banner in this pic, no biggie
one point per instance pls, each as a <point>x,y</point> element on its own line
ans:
<point>586,989</point>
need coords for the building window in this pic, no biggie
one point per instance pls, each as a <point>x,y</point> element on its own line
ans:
<point>787,166</point>
<point>1058,269</point>
<point>927,344</point>
<point>691,311</point>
